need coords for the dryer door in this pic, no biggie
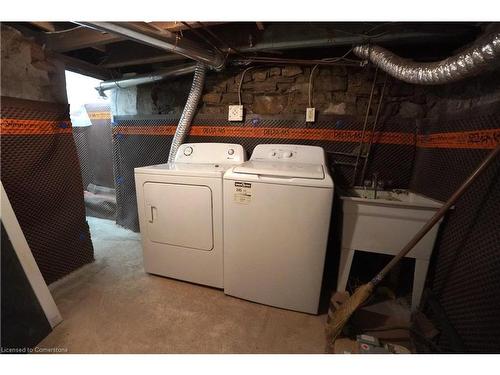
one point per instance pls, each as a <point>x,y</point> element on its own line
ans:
<point>179,215</point>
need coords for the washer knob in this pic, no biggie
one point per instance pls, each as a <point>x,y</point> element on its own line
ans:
<point>230,151</point>
<point>287,154</point>
<point>188,151</point>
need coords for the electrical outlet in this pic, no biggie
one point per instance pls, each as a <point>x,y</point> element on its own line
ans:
<point>235,113</point>
<point>310,114</point>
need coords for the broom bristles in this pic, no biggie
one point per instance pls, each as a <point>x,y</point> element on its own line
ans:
<point>341,316</point>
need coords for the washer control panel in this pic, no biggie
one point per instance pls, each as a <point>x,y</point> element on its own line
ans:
<point>281,154</point>
<point>289,153</point>
<point>210,153</point>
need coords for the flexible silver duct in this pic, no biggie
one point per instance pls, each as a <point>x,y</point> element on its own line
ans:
<point>189,110</point>
<point>142,79</point>
<point>141,32</point>
<point>473,60</point>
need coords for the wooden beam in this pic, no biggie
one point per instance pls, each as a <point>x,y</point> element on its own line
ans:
<point>83,67</point>
<point>77,39</point>
<point>179,26</point>
<point>121,54</point>
<point>115,63</point>
<point>45,26</point>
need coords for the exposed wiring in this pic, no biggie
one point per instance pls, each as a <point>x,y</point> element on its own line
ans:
<point>220,40</point>
<point>340,60</point>
<point>311,84</point>
<point>201,36</point>
<point>330,60</point>
<point>277,60</point>
<point>62,31</point>
<point>241,81</point>
<point>343,57</point>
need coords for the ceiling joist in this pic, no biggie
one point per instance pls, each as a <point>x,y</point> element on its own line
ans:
<point>78,38</point>
<point>45,26</point>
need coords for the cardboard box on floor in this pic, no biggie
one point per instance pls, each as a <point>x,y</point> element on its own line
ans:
<point>388,321</point>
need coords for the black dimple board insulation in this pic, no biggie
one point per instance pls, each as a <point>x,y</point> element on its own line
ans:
<point>465,273</point>
<point>41,175</point>
<point>81,138</point>
<point>100,144</point>
<point>95,152</point>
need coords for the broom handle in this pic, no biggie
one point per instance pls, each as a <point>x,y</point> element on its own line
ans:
<point>437,216</point>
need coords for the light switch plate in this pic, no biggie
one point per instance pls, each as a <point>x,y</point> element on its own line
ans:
<point>310,114</point>
<point>235,113</point>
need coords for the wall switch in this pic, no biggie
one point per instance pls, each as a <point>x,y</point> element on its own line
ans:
<point>235,113</point>
<point>310,114</point>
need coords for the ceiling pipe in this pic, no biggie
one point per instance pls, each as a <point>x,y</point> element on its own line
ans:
<point>143,33</point>
<point>482,55</point>
<point>142,79</point>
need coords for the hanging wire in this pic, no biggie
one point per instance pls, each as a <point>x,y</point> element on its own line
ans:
<point>203,37</point>
<point>62,31</point>
<point>311,84</point>
<point>332,59</point>
<point>220,40</point>
<point>241,81</point>
<point>343,60</point>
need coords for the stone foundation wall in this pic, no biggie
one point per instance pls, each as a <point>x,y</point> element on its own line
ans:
<point>282,90</point>
<point>27,72</point>
<point>285,90</point>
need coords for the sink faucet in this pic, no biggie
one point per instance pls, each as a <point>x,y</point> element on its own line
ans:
<point>374,184</point>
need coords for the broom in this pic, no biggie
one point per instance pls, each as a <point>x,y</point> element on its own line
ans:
<point>341,316</point>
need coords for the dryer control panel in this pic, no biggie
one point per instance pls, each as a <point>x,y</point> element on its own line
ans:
<point>210,153</point>
<point>289,153</point>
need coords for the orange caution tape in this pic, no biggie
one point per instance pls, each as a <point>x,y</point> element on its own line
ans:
<point>11,126</point>
<point>145,130</point>
<point>276,133</point>
<point>479,139</point>
<point>99,115</point>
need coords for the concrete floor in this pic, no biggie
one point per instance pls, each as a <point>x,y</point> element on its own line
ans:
<point>113,306</point>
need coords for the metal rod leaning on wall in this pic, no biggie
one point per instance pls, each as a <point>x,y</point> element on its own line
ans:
<point>361,141</point>
<point>374,127</point>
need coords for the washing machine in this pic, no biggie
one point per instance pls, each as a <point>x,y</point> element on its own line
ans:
<point>180,212</point>
<point>277,209</point>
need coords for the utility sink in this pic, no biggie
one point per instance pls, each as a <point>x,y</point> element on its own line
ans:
<point>384,222</point>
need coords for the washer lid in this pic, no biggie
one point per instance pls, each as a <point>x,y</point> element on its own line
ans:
<point>280,169</point>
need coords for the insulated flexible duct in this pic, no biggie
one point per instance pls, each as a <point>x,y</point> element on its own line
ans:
<point>189,110</point>
<point>472,61</point>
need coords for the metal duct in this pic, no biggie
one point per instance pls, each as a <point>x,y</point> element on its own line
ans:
<point>142,33</point>
<point>473,60</point>
<point>146,78</point>
<point>189,110</point>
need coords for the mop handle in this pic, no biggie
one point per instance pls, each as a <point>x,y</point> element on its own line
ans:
<point>437,216</point>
